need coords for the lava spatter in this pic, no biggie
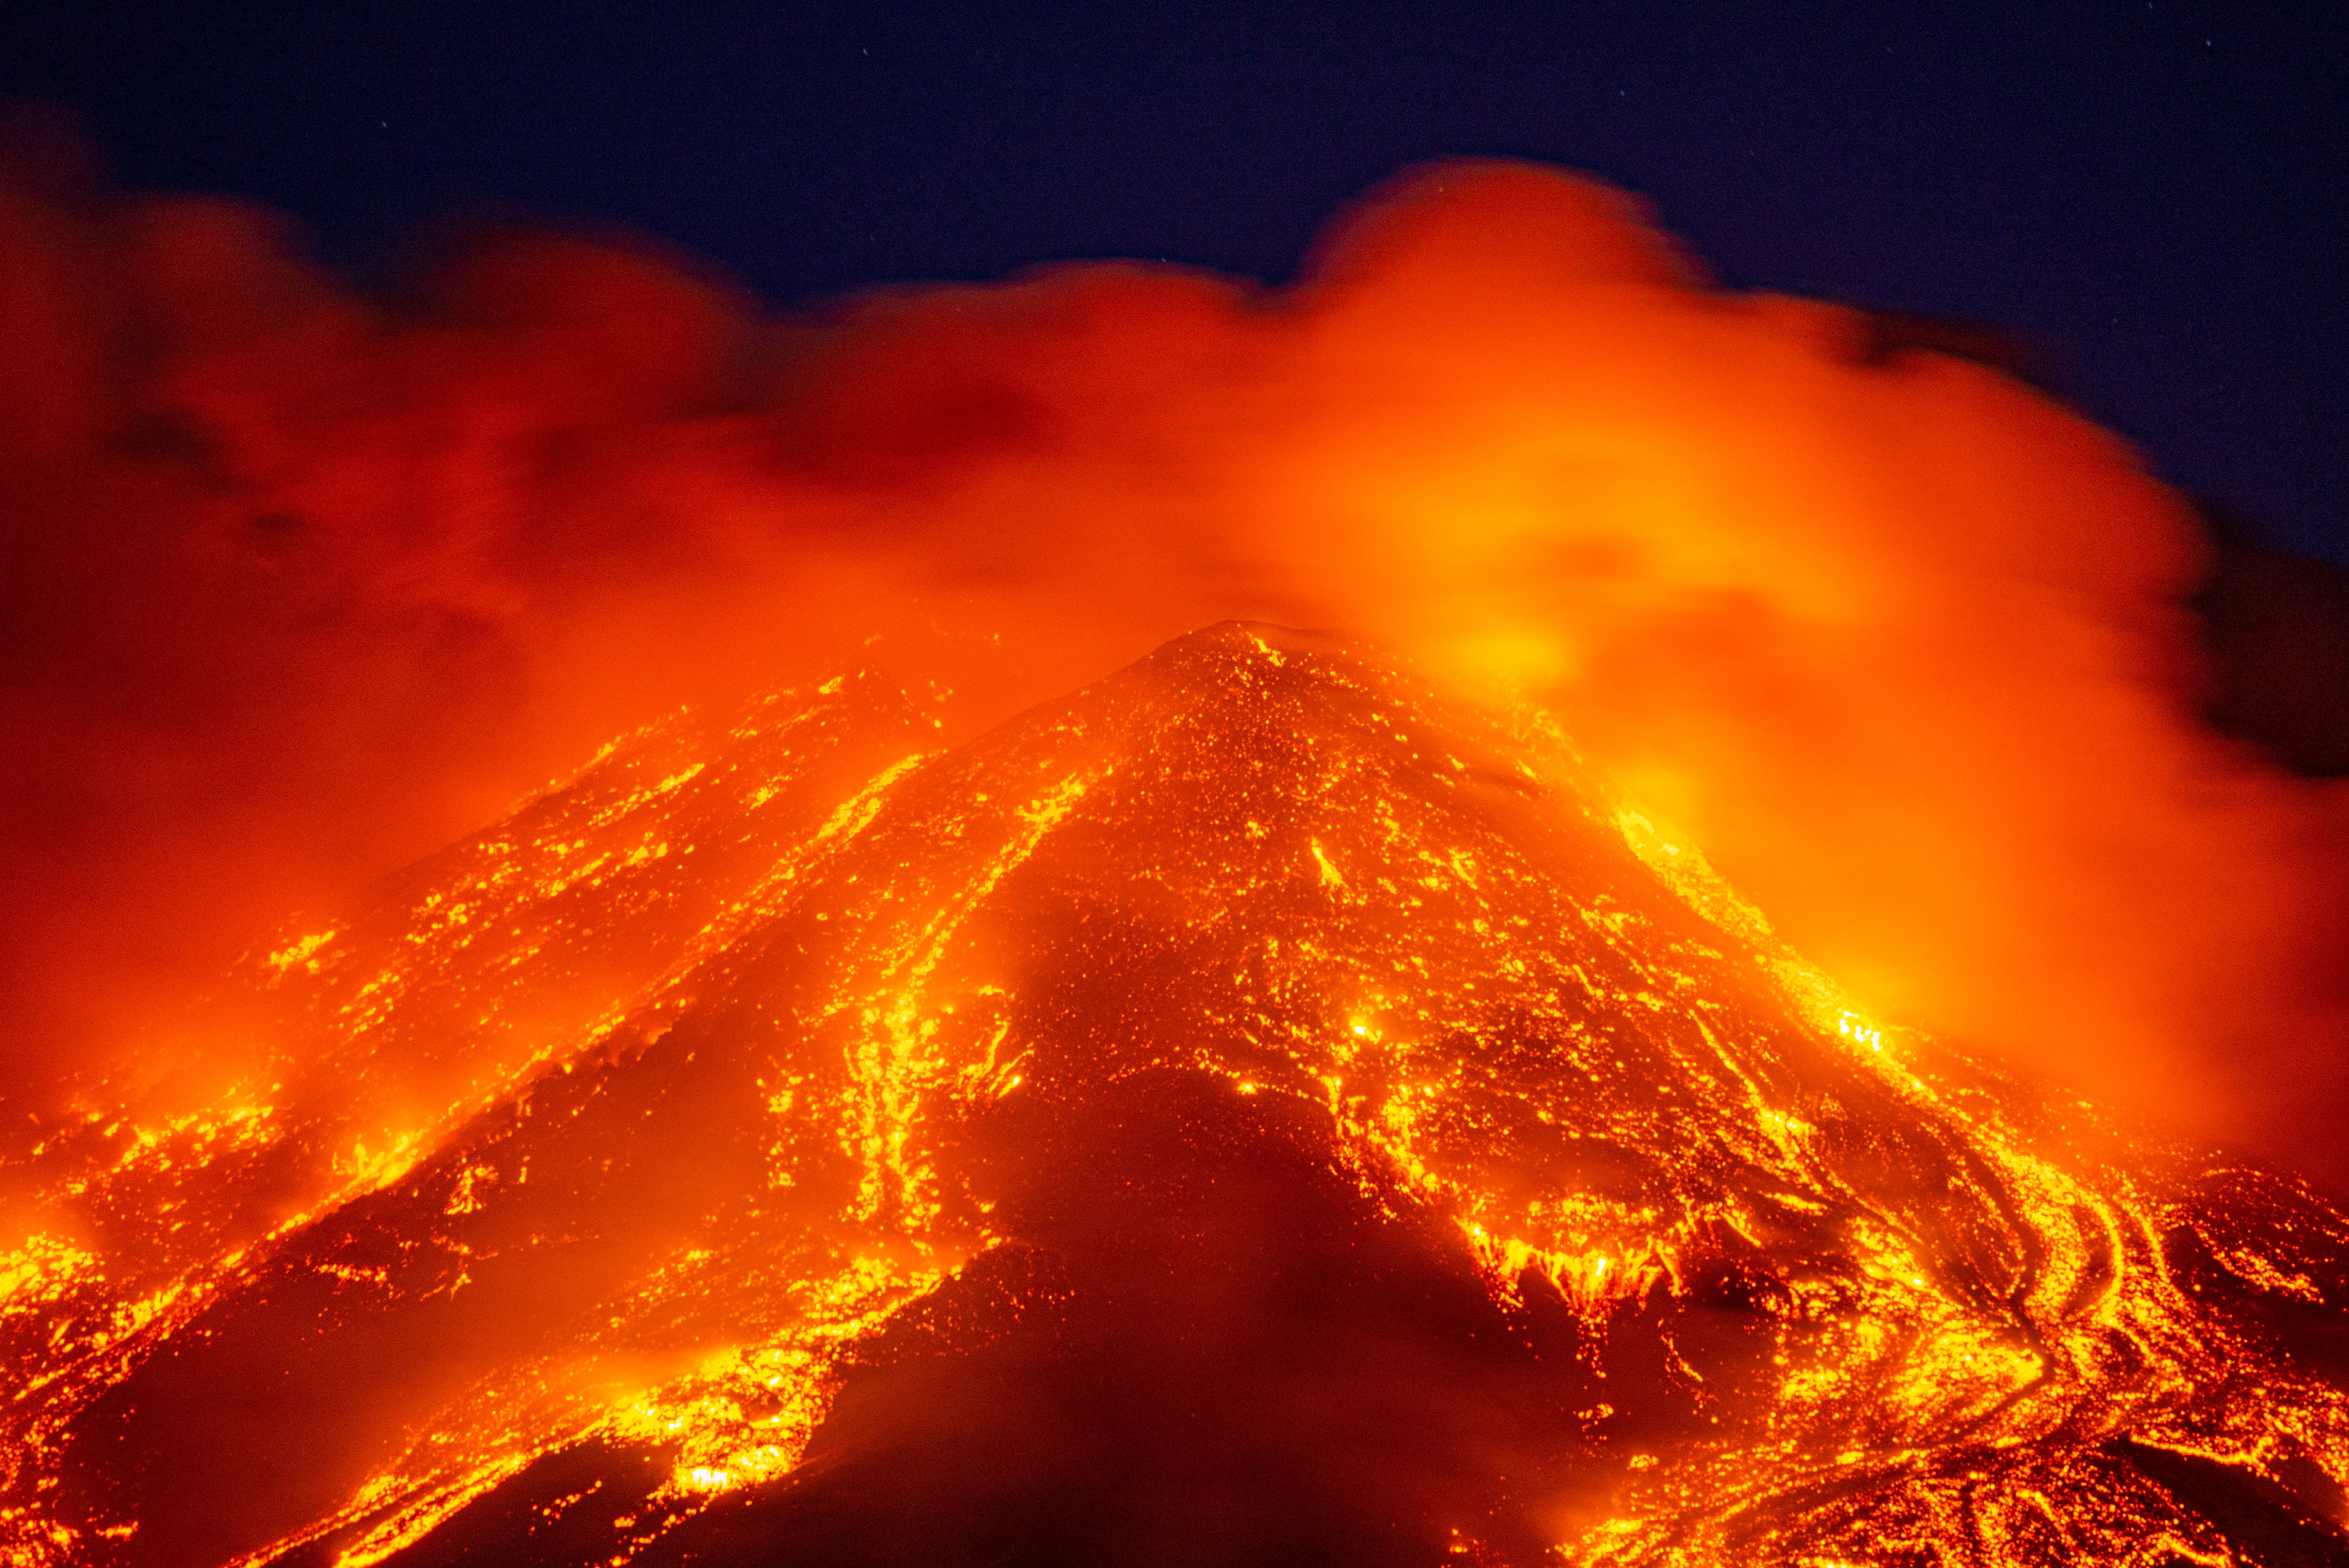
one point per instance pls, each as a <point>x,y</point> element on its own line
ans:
<point>1251,1110</point>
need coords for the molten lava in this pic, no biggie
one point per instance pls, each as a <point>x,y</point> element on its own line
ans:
<point>1258,1107</point>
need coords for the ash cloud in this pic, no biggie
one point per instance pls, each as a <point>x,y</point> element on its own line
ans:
<point>301,584</point>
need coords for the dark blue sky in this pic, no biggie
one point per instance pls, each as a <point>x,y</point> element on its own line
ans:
<point>2158,192</point>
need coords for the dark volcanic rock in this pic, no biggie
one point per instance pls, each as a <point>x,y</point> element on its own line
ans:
<point>1253,1110</point>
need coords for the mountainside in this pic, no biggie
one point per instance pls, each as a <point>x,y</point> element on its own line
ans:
<point>1248,1110</point>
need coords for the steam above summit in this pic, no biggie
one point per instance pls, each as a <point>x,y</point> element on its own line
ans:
<point>1254,1108</point>
<point>304,584</point>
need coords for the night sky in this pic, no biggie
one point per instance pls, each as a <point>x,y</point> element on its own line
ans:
<point>2152,192</point>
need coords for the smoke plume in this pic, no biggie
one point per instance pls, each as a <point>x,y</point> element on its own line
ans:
<point>301,582</point>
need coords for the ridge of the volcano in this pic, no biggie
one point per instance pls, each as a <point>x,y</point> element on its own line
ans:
<point>1254,1108</point>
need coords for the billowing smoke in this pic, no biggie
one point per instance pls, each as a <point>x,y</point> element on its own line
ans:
<point>301,582</point>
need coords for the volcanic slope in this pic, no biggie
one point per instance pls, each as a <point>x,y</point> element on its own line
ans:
<point>1250,1110</point>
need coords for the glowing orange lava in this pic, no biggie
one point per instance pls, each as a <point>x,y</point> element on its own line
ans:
<point>1258,1011</point>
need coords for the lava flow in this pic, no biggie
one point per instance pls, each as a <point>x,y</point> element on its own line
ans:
<point>1255,1109</point>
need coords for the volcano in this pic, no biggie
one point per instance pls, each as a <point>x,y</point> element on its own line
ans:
<point>1254,1109</point>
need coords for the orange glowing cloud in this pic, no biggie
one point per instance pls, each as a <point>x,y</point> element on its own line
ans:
<point>303,583</point>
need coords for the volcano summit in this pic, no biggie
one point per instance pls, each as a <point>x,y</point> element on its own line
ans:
<point>1252,1109</point>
